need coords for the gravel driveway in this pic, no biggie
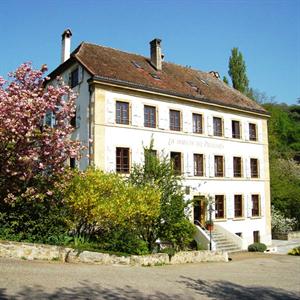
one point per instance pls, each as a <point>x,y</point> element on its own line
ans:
<point>247,276</point>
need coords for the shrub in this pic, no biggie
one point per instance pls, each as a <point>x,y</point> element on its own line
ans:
<point>257,247</point>
<point>295,251</point>
<point>281,224</point>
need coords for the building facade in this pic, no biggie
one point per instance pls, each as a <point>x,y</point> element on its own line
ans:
<point>216,137</point>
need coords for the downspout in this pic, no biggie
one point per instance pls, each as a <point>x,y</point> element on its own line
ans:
<point>91,127</point>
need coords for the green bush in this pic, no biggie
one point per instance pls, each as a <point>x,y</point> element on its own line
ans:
<point>257,247</point>
<point>295,251</point>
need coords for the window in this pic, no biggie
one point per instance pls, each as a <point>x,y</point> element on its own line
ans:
<point>219,166</point>
<point>252,132</point>
<point>236,129</point>
<point>240,234</point>
<point>149,116</point>
<point>254,167</point>
<point>72,162</point>
<point>255,205</point>
<point>175,120</point>
<point>122,113</point>
<point>176,161</point>
<point>74,78</point>
<point>238,206</point>
<point>122,160</point>
<point>198,165</point>
<point>256,238</point>
<point>220,207</point>
<point>197,123</point>
<point>218,126</point>
<point>237,167</point>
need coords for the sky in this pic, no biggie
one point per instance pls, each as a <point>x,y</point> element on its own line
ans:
<point>196,33</point>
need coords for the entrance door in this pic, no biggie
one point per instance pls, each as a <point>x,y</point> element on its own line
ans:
<point>199,210</point>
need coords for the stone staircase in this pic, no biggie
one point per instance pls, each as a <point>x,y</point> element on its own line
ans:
<point>223,243</point>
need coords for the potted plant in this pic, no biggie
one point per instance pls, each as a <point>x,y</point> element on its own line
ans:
<point>209,224</point>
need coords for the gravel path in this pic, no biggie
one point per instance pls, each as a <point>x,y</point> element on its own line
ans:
<point>247,276</point>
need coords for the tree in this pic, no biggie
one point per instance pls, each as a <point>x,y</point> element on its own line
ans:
<point>237,71</point>
<point>31,150</point>
<point>225,80</point>
<point>172,224</point>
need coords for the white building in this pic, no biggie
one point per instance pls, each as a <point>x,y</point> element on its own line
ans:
<point>216,136</point>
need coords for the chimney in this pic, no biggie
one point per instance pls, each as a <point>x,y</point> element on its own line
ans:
<point>65,45</point>
<point>156,56</point>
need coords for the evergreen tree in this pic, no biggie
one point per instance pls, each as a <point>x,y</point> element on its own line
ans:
<point>237,71</point>
<point>225,80</point>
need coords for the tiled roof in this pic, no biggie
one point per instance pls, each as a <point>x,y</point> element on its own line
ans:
<point>135,70</point>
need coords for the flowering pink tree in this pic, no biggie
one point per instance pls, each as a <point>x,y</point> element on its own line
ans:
<point>28,147</point>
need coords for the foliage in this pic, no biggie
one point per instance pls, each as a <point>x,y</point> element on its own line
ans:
<point>257,247</point>
<point>106,207</point>
<point>172,224</point>
<point>28,148</point>
<point>295,251</point>
<point>281,224</point>
<point>34,221</point>
<point>237,71</point>
<point>225,80</point>
<point>284,145</point>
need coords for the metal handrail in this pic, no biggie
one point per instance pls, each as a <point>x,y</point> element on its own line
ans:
<point>196,222</point>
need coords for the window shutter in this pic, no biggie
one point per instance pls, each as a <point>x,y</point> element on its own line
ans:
<point>110,111</point>
<point>163,121</point>
<point>52,119</point>
<point>247,167</point>
<point>80,74</point>
<point>246,131</point>
<point>135,114</point>
<point>261,173</point>
<point>189,164</point>
<point>227,128</point>
<point>248,205</point>
<point>259,133</point>
<point>111,159</point>
<point>186,121</point>
<point>209,125</point>
<point>211,166</point>
<point>262,204</point>
<point>78,117</point>
<point>228,163</point>
<point>230,206</point>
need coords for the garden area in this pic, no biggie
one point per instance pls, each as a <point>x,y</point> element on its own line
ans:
<point>42,200</point>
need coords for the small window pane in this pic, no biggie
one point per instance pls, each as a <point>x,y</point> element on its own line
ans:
<point>252,132</point>
<point>238,206</point>
<point>219,166</point>
<point>197,123</point>
<point>218,127</point>
<point>254,167</point>
<point>175,120</point>
<point>219,207</point>
<point>237,167</point>
<point>122,160</point>
<point>149,116</point>
<point>236,130</point>
<point>198,164</point>
<point>255,205</point>
<point>122,113</point>
<point>74,78</point>
<point>176,161</point>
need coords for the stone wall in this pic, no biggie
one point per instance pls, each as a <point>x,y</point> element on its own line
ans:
<point>286,236</point>
<point>30,251</point>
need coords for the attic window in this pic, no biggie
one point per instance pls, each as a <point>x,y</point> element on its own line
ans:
<point>193,86</point>
<point>203,81</point>
<point>155,76</point>
<point>138,66</point>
